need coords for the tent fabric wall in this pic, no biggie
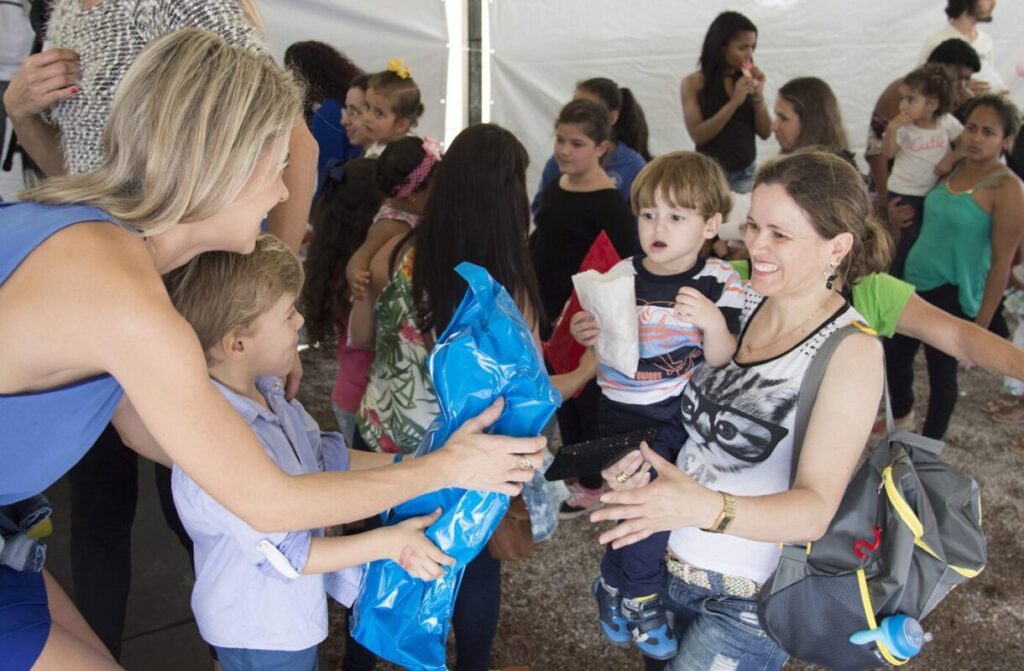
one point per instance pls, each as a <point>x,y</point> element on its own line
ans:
<point>371,33</point>
<point>539,49</point>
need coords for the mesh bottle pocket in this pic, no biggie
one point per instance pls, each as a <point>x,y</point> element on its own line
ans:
<point>813,618</point>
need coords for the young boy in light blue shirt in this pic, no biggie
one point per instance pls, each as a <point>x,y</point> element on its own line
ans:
<point>259,598</point>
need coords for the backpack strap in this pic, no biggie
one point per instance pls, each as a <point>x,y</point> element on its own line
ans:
<point>812,383</point>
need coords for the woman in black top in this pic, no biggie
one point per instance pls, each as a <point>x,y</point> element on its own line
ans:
<point>723,102</point>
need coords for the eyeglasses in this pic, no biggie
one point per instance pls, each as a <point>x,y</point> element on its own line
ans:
<point>744,436</point>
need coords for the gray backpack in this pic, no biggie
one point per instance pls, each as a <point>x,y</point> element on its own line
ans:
<point>907,532</point>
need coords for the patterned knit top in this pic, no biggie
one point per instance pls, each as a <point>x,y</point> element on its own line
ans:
<point>107,38</point>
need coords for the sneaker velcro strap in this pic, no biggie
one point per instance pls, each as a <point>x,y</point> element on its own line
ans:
<point>692,575</point>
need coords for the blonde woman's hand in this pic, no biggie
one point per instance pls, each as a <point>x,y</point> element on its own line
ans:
<point>472,459</point>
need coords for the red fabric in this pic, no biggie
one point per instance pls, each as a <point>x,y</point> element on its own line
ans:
<point>561,350</point>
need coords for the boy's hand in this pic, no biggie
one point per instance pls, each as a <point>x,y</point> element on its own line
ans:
<point>413,551</point>
<point>695,308</point>
<point>584,328</point>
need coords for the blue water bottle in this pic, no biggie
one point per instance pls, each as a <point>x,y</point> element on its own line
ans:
<point>901,634</point>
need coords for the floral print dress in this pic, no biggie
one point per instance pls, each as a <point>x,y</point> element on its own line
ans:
<point>400,401</point>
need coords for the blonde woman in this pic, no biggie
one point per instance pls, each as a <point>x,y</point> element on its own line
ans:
<point>196,146</point>
<point>59,102</point>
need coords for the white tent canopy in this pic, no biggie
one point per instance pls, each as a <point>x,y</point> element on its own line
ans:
<point>535,51</point>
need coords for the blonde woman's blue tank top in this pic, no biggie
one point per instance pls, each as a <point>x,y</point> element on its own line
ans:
<point>44,433</point>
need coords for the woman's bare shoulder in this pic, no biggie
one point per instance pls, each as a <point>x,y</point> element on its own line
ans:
<point>75,300</point>
<point>693,82</point>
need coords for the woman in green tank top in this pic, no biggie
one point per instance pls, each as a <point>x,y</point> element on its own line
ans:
<point>961,261</point>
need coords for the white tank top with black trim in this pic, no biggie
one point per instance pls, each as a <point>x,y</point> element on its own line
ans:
<point>740,419</point>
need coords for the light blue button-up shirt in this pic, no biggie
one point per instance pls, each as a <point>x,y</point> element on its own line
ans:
<point>247,593</point>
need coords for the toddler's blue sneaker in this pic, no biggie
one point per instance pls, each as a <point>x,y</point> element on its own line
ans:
<point>648,625</point>
<point>609,611</point>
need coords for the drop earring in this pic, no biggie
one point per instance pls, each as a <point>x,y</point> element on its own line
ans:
<point>830,276</point>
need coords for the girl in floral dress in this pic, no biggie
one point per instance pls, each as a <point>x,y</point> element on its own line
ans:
<point>478,212</point>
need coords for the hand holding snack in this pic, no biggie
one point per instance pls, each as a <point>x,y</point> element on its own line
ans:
<point>743,87</point>
<point>610,298</point>
<point>759,79</point>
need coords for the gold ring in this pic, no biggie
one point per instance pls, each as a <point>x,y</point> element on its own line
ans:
<point>523,464</point>
<point>622,477</point>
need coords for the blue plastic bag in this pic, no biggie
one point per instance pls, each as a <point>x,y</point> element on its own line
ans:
<point>487,351</point>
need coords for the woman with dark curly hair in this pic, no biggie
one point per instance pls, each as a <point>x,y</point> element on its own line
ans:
<point>328,74</point>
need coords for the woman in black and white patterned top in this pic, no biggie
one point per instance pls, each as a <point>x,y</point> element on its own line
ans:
<point>729,503</point>
<point>59,100</point>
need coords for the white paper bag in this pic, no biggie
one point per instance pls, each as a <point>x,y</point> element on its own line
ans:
<point>611,298</point>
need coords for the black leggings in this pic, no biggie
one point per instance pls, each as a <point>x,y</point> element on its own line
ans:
<point>900,351</point>
<point>104,494</point>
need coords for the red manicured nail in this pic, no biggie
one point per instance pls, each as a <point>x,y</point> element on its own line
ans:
<point>74,90</point>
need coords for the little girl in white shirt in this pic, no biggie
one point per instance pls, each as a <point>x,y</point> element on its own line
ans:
<point>919,141</point>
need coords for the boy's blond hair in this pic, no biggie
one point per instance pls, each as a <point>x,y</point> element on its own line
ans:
<point>218,292</point>
<point>684,179</point>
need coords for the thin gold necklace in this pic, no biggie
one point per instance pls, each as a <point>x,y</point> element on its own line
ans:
<point>748,348</point>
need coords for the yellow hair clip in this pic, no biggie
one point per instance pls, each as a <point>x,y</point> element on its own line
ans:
<point>397,65</point>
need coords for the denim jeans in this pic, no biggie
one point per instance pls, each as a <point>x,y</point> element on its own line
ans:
<point>742,181</point>
<point>716,630</point>
<point>244,659</point>
<point>346,423</point>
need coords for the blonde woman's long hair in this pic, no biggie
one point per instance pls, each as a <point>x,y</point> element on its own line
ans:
<point>190,120</point>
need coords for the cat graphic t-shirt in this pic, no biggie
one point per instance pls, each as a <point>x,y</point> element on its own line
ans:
<point>740,419</point>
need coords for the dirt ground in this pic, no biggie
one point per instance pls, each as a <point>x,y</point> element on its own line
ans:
<point>548,618</point>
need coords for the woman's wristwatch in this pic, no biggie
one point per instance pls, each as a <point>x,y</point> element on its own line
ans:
<point>725,518</point>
